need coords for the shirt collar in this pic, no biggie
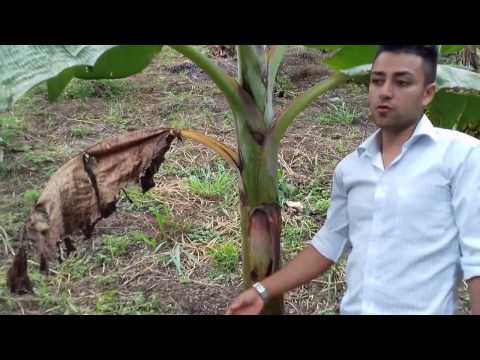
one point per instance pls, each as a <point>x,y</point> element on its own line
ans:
<point>424,128</point>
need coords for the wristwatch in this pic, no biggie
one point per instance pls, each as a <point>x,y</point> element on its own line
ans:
<point>262,291</point>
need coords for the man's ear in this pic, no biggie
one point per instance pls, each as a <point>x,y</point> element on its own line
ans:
<point>428,94</point>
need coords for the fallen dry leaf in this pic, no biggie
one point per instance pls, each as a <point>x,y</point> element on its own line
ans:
<point>84,191</point>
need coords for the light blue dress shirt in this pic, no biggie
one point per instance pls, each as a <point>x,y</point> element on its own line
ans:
<point>413,229</point>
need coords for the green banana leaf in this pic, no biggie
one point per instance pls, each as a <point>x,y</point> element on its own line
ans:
<point>451,49</point>
<point>25,66</point>
<point>348,56</point>
<point>457,102</point>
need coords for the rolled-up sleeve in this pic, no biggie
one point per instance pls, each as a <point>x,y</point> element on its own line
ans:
<point>466,205</point>
<point>331,239</point>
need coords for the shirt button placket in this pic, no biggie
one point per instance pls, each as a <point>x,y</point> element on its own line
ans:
<point>370,261</point>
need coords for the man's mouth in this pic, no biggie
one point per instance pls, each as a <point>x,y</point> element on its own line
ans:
<point>384,107</point>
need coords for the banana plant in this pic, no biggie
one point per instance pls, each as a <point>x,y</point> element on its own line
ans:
<point>259,130</point>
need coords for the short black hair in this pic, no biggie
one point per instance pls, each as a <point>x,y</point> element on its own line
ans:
<point>429,54</point>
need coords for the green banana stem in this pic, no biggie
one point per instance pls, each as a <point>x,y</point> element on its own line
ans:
<point>238,99</point>
<point>275,56</point>
<point>252,64</point>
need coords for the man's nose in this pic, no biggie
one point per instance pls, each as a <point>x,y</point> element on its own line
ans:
<point>386,90</point>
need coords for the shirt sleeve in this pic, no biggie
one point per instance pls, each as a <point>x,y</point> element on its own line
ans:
<point>466,205</point>
<point>331,239</point>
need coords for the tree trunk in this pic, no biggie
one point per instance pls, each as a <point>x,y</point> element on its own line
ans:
<point>259,209</point>
<point>260,216</point>
<point>469,57</point>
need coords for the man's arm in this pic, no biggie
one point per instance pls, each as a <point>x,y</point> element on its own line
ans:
<point>466,205</point>
<point>306,266</point>
<point>474,291</point>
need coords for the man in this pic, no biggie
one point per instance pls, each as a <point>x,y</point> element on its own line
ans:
<point>406,203</point>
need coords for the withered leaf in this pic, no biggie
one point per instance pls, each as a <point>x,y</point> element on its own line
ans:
<point>84,191</point>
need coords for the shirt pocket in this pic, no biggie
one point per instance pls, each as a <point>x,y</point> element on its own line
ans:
<point>424,208</point>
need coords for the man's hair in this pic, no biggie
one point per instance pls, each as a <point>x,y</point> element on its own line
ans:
<point>428,53</point>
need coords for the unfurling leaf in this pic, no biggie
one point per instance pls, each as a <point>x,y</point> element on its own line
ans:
<point>85,190</point>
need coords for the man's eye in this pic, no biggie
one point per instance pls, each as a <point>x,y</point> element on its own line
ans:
<point>376,81</point>
<point>403,83</point>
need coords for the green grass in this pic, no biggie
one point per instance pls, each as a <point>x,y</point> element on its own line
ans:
<point>341,148</point>
<point>167,224</point>
<point>143,238</point>
<point>296,232</point>
<point>213,184</point>
<point>163,216</point>
<point>81,132</point>
<point>107,89</point>
<point>284,85</point>
<point>339,113</point>
<point>226,256</point>
<point>117,113</point>
<point>169,56</point>
<point>112,303</point>
<point>60,302</point>
<point>30,197</point>
<point>106,280</point>
<point>11,221</point>
<point>30,101</point>
<point>76,268</point>
<point>141,201</point>
<point>10,128</point>
<point>316,197</point>
<point>40,159</point>
<point>286,190</point>
<point>7,303</point>
<point>179,122</point>
<point>203,234</point>
<point>116,246</point>
<point>108,303</point>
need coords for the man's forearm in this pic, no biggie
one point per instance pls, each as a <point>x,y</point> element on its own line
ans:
<point>474,291</point>
<point>306,266</point>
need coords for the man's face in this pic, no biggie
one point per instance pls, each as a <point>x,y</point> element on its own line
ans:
<point>398,94</point>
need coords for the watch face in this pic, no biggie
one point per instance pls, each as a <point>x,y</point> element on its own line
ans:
<point>261,290</point>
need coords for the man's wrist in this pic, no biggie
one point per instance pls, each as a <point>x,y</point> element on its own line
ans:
<point>262,291</point>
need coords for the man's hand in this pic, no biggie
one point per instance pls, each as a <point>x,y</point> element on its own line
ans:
<point>248,303</point>
<point>474,290</point>
<point>303,268</point>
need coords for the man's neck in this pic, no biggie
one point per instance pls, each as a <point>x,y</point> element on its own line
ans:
<point>392,139</point>
<point>392,142</point>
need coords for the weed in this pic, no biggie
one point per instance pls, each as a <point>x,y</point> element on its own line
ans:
<point>108,303</point>
<point>296,232</point>
<point>10,127</point>
<point>81,132</point>
<point>116,246</point>
<point>339,114</point>
<point>212,185</point>
<point>226,256</point>
<point>143,238</point>
<point>30,197</point>
<point>286,191</point>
